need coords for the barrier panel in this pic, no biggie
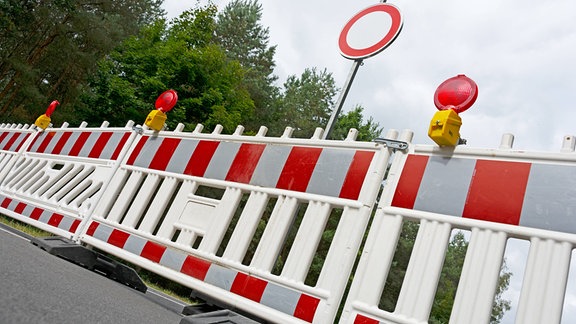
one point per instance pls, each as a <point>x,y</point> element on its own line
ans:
<point>269,226</point>
<point>496,194</point>
<point>58,175</point>
<point>13,137</point>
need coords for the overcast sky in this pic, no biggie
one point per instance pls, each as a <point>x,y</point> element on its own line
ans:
<point>522,55</point>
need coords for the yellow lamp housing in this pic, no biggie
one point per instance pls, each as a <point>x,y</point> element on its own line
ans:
<point>43,121</point>
<point>156,120</point>
<point>445,128</point>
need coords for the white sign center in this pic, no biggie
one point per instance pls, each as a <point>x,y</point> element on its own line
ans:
<point>369,30</point>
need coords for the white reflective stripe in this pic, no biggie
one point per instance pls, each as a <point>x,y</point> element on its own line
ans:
<point>445,180</point>
<point>222,160</point>
<point>220,277</point>
<point>550,199</point>
<point>148,151</point>
<point>134,244</point>
<point>544,282</point>
<point>330,172</point>
<point>181,156</point>
<point>69,143</point>
<point>53,142</point>
<point>282,299</point>
<point>173,260</point>
<point>479,279</point>
<point>270,166</point>
<point>113,142</point>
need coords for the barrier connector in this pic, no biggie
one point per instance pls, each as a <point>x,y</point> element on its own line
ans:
<point>44,120</point>
<point>157,118</point>
<point>452,97</point>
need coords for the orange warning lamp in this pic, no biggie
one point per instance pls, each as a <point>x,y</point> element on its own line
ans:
<point>165,102</point>
<point>44,120</point>
<point>452,97</point>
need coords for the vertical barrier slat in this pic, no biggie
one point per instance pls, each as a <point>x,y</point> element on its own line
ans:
<point>306,241</point>
<point>544,283</point>
<point>246,227</point>
<point>141,201</point>
<point>274,234</point>
<point>417,293</point>
<point>158,205</point>
<point>479,278</point>
<point>121,203</point>
<point>167,228</point>
<point>223,214</point>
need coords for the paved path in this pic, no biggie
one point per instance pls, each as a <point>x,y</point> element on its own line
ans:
<point>37,287</point>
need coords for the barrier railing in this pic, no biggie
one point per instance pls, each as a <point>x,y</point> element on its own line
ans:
<point>244,220</point>
<point>496,195</point>
<point>13,137</point>
<point>58,175</point>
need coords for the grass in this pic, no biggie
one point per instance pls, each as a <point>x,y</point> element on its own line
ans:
<point>151,279</point>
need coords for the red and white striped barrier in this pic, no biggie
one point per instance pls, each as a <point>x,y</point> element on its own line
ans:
<point>58,175</point>
<point>496,194</point>
<point>156,214</point>
<point>12,139</point>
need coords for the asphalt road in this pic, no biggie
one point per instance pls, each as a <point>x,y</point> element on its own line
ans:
<point>37,287</point>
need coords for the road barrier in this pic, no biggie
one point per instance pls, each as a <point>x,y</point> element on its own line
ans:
<point>272,226</point>
<point>56,176</point>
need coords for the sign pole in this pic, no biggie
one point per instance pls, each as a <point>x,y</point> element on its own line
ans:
<point>358,55</point>
<point>342,98</point>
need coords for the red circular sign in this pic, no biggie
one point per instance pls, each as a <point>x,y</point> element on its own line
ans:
<point>458,93</point>
<point>350,52</point>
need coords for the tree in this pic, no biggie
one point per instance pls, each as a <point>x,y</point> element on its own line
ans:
<point>244,39</point>
<point>367,131</point>
<point>47,48</point>
<point>181,56</point>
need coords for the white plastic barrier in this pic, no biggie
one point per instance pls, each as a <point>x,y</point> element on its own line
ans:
<point>159,213</point>
<point>13,138</point>
<point>496,194</point>
<point>56,179</point>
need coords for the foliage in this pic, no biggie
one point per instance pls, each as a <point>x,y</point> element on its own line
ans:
<point>47,48</point>
<point>244,39</point>
<point>182,57</point>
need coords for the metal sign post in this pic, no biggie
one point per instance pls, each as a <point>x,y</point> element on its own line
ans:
<point>350,51</point>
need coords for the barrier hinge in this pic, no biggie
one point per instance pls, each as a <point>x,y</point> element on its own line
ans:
<point>394,144</point>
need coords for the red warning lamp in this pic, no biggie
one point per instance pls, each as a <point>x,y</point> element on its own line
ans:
<point>44,120</point>
<point>458,93</point>
<point>165,102</point>
<point>452,97</point>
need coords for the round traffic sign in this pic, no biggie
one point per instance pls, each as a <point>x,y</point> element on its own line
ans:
<point>348,42</point>
<point>457,93</point>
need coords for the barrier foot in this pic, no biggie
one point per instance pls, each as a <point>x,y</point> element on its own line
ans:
<point>219,316</point>
<point>80,255</point>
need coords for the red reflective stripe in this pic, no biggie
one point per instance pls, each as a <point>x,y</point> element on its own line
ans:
<point>79,144</point>
<point>3,135</point>
<point>20,208</point>
<point>11,141</point>
<point>164,153</point>
<point>92,228</point>
<point>34,141</point>
<point>245,162</point>
<point>45,142</point>
<point>55,220</point>
<point>298,168</point>
<point>249,287</point>
<point>194,267</point>
<point>6,202</point>
<point>36,213</point>
<point>409,183</point>
<point>360,319</point>
<point>356,174</point>
<point>74,226</point>
<point>201,157</point>
<point>306,308</point>
<point>153,251</point>
<point>100,144</point>
<point>61,142</point>
<point>120,146</point>
<point>497,191</point>
<point>22,143</point>
<point>118,238</point>
<point>137,150</point>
